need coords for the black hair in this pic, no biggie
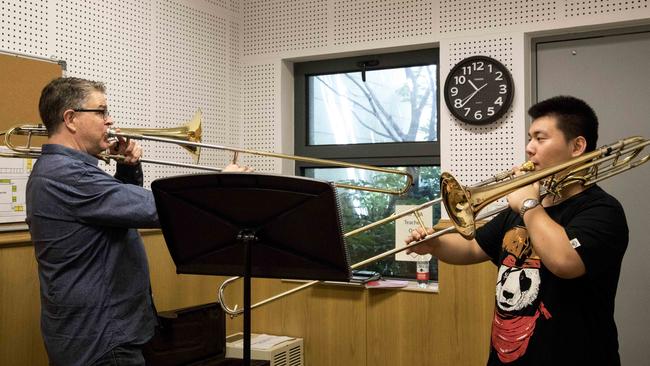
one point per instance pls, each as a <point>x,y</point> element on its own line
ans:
<point>574,118</point>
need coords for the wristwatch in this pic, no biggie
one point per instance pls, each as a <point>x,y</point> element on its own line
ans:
<point>527,205</point>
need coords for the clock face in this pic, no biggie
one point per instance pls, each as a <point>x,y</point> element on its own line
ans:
<point>478,90</point>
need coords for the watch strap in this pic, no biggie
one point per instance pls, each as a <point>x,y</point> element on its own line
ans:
<point>529,203</point>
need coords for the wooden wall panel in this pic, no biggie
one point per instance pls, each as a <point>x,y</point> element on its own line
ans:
<point>20,334</point>
<point>340,325</point>
<point>387,327</point>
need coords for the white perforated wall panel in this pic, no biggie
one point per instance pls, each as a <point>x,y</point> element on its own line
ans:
<point>23,27</point>
<point>232,5</point>
<point>471,15</point>
<point>234,84</point>
<point>473,153</point>
<point>602,7</point>
<point>190,68</point>
<point>280,25</point>
<point>117,53</point>
<point>161,60</point>
<point>260,106</point>
<point>380,20</point>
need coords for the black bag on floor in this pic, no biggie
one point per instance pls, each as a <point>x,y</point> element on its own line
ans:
<point>193,336</point>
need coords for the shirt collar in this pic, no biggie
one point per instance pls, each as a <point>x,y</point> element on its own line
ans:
<point>75,154</point>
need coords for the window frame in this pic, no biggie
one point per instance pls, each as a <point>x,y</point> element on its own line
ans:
<point>378,154</point>
<point>381,154</point>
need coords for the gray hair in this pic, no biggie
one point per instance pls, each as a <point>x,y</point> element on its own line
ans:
<point>62,94</point>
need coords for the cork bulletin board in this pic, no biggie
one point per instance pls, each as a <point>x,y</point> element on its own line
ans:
<point>21,80</point>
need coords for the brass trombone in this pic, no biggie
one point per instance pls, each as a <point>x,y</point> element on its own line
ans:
<point>135,134</point>
<point>189,137</point>
<point>463,204</point>
<point>191,131</point>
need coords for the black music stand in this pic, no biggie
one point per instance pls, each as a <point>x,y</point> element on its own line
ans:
<point>252,225</point>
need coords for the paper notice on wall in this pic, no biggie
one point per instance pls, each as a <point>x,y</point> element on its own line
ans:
<point>14,173</point>
<point>404,226</point>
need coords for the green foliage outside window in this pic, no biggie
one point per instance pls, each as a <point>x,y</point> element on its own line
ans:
<point>360,208</point>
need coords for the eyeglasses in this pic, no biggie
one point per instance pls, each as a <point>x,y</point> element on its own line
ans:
<point>104,113</point>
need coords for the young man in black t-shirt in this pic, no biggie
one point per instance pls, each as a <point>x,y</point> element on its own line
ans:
<point>559,257</point>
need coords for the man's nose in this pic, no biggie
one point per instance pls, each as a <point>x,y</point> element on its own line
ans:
<point>529,148</point>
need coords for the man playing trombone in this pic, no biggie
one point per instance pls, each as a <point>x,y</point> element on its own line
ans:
<point>558,256</point>
<point>96,305</point>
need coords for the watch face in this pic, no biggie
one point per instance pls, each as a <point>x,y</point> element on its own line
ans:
<point>478,90</point>
<point>530,203</point>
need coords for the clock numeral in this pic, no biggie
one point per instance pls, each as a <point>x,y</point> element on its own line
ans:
<point>478,90</point>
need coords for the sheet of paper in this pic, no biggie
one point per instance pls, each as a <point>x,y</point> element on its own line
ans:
<point>403,227</point>
<point>387,284</point>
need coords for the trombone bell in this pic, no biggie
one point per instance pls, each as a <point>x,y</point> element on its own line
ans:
<point>464,203</point>
<point>457,203</point>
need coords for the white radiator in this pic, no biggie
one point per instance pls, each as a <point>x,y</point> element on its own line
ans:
<point>281,351</point>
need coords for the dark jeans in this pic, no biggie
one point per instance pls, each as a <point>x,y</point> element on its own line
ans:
<point>122,356</point>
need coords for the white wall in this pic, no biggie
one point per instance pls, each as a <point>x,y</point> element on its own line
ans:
<point>163,59</point>
<point>277,32</point>
<point>160,59</point>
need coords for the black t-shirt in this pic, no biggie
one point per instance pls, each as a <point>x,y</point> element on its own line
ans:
<point>541,319</point>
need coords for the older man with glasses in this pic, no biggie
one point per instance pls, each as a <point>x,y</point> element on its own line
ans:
<point>96,303</point>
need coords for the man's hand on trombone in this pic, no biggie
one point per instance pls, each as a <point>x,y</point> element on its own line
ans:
<point>516,198</point>
<point>234,167</point>
<point>129,149</point>
<point>416,235</point>
<point>237,168</point>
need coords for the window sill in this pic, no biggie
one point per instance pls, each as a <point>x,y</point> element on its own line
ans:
<point>412,286</point>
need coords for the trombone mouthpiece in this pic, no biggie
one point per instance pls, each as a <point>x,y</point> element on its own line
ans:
<point>528,166</point>
<point>111,138</point>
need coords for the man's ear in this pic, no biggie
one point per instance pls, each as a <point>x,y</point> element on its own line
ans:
<point>579,146</point>
<point>69,121</point>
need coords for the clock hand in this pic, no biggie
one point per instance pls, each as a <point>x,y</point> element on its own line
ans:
<point>467,98</point>
<point>484,85</point>
<point>472,84</point>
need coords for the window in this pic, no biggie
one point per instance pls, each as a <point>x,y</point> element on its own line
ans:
<point>378,110</point>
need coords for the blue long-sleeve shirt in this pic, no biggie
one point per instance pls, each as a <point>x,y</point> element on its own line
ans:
<point>93,271</point>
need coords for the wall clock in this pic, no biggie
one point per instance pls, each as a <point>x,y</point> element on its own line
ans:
<point>478,90</point>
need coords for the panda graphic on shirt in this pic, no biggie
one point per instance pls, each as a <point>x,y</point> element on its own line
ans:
<point>517,304</point>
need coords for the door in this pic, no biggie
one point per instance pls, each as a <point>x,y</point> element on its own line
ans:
<point>612,74</point>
